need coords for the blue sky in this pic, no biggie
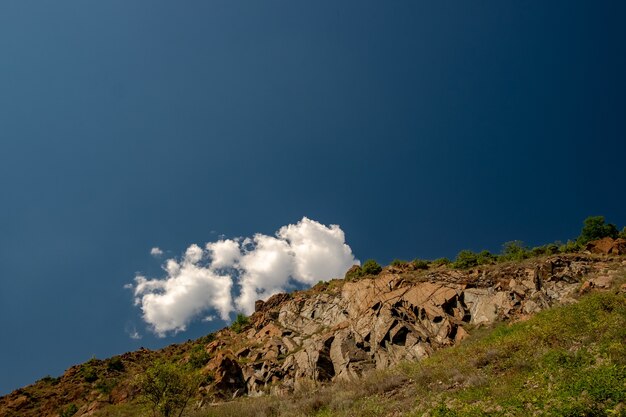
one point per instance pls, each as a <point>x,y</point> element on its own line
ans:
<point>420,128</point>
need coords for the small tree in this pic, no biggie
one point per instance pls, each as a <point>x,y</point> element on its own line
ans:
<point>167,388</point>
<point>240,323</point>
<point>440,262</point>
<point>465,259</point>
<point>371,267</point>
<point>514,250</point>
<point>420,263</point>
<point>594,228</point>
<point>622,234</point>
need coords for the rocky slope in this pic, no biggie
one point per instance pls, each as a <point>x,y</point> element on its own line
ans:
<point>336,330</point>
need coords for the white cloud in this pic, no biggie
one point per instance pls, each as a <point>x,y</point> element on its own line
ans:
<point>156,252</point>
<point>169,304</point>
<point>233,274</point>
<point>266,271</point>
<point>319,252</point>
<point>224,253</point>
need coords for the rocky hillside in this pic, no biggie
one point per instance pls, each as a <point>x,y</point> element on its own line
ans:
<point>334,331</point>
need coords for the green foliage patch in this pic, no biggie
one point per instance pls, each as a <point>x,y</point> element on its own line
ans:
<point>240,323</point>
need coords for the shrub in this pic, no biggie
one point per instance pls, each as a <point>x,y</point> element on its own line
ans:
<point>420,264</point>
<point>486,258</point>
<point>105,386</point>
<point>205,340</point>
<point>115,364</point>
<point>167,388</point>
<point>198,357</point>
<point>465,259</point>
<point>514,250</point>
<point>622,234</point>
<point>353,273</point>
<point>69,411</point>
<point>88,371</point>
<point>595,228</point>
<point>398,262</point>
<point>240,323</point>
<point>570,246</point>
<point>371,267</point>
<point>49,380</point>
<point>440,262</point>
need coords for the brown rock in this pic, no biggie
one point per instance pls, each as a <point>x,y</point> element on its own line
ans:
<point>227,373</point>
<point>585,288</point>
<point>607,246</point>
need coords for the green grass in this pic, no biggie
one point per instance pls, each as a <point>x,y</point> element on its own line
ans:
<point>569,361</point>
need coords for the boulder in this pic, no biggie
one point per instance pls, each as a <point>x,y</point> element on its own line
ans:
<point>228,375</point>
<point>607,246</point>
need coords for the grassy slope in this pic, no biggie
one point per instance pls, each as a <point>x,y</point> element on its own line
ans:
<point>567,361</point>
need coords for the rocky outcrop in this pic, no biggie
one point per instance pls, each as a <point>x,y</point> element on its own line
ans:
<point>607,246</point>
<point>377,322</point>
<point>340,330</point>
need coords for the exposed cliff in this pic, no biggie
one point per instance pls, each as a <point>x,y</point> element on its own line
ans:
<point>335,331</point>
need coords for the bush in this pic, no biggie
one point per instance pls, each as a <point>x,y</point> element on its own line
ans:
<point>240,323</point>
<point>353,273</point>
<point>440,262</point>
<point>371,267</point>
<point>69,411</point>
<point>569,247</point>
<point>88,370</point>
<point>198,357</point>
<point>515,250</point>
<point>465,259</point>
<point>115,364</point>
<point>398,262</point>
<point>49,380</point>
<point>167,388</point>
<point>420,264</point>
<point>622,234</point>
<point>486,258</point>
<point>594,228</point>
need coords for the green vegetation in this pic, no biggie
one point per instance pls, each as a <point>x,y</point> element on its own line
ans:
<point>49,380</point>
<point>595,228</point>
<point>371,267</point>
<point>240,323</point>
<point>198,357</point>
<point>105,386</point>
<point>420,264</point>
<point>115,364</point>
<point>398,262</point>
<point>167,388</point>
<point>88,370</point>
<point>69,411</point>
<point>440,262</point>
<point>565,361</point>
<point>353,273</point>
<point>467,259</point>
<point>515,251</point>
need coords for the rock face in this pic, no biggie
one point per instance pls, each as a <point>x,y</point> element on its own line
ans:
<point>342,329</point>
<point>607,246</point>
<point>376,322</point>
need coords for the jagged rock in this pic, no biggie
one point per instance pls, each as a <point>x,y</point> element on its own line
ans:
<point>372,322</point>
<point>228,374</point>
<point>607,246</point>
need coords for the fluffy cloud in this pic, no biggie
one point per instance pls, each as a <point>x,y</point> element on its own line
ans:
<point>232,274</point>
<point>156,252</point>
<point>224,253</point>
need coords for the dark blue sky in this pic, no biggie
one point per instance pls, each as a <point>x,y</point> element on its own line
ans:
<point>420,128</point>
